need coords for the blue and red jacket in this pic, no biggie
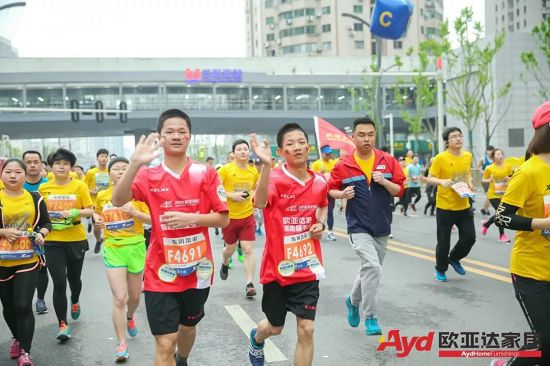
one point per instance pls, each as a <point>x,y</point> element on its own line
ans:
<point>369,211</point>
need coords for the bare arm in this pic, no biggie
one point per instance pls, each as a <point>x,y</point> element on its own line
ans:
<point>264,154</point>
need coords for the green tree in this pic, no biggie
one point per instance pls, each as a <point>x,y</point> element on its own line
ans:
<point>535,68</point>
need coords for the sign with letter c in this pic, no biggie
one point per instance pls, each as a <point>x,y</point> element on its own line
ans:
<point>383,17</point>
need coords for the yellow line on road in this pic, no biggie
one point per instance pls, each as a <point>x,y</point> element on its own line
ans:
<point>399,247</point>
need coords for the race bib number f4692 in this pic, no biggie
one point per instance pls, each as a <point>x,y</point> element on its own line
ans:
<point>298,249</point>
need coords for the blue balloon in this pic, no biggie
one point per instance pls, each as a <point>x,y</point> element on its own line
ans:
<point>390,18</point>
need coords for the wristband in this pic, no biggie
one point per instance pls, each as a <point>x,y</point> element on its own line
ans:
<point>324,226</point>
<point>74,213</point>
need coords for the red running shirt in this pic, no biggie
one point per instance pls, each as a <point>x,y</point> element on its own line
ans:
<point>290,256</point>
<point>179,259</point>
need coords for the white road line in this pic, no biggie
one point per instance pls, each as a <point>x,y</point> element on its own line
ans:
<point>272,353</point>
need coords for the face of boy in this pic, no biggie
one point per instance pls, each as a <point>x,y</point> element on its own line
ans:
<point>295,148</point>
<point>175,136</point>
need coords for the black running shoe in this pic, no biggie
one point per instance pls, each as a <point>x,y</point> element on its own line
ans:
<point>224,272</point>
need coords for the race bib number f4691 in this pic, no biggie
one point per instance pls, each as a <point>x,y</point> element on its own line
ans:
<point>184,253</point>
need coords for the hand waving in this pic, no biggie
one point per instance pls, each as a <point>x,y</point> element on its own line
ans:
<point>263,152</point>
<point>146,149</point>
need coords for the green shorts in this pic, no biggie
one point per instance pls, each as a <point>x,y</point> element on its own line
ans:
<point>130,256</point>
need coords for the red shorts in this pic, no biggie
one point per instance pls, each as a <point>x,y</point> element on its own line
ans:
<point>240,229</point>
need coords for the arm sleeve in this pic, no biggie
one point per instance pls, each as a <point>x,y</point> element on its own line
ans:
<point>506,218</point>
<point>44,221</point>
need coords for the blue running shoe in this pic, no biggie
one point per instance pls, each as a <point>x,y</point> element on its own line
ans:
<point>372,327</point>
<point>440,276</point>
<point>457,267</point>
<point>131,326</point>
<point>255,350</point>
<point>121,353</point>
<point>64,332</point>
<point>353,314</point>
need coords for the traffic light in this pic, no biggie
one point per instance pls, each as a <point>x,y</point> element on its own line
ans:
<point>99,115</point>
<point>75,116</point>
<point>123,117</point>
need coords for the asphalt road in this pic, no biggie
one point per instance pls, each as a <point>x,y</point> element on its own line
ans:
<point>410,301</point>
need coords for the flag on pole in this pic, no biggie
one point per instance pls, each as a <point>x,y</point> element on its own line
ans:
<point>327,134</point>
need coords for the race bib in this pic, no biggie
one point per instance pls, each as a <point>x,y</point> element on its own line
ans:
<point>20,249</point>
<point>116,219</point>
<point>184,254</point>
<point>500,188</point>
<point>101,181</point>
<point>299,253</point>
<point>57,203</point>
<point>463,190</point>
<point>546,232</point>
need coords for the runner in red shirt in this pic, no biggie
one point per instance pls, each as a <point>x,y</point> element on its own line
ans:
<point>294,200</point>
<point>185,198</point>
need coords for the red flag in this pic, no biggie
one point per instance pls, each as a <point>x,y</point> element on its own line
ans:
<point>327,134</point>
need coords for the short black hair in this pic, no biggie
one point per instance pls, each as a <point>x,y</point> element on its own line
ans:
<point>79,166</point>
<point>238,142</point>
<point>31,152</point>
<point>14,160</point>
<point>490,147</point>
<point>363,121</point>
<point>289,127</point>
<point>101,151</point>
<point>113,156</point>
<point>209,158</point>
<point>62,154</point>
<point>173,113</point>
<point>448,131</point>
<point>118,159</point>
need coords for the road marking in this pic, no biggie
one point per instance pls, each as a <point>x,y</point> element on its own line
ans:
<point>399,247</point>
<point>271,352</point>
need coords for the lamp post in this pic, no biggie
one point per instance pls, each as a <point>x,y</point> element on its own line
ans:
<point>378,96</point>
<point>13,5</point>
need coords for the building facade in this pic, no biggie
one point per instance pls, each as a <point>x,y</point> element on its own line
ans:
<point>317,28</point>
<point>514,15</point>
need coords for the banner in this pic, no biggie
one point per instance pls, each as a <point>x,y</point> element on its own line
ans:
<point>327,134</point>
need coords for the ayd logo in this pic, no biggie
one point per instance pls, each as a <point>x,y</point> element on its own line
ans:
<point>404,345</point>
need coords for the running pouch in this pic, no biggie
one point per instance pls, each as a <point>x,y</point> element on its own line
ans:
<point>463,190</point>
<point>67,223</point>
<point>125,240</point>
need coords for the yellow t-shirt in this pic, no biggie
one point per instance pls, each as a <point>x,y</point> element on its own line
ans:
<point>457,169</point>
<point>120,228</point>
<point>406,174</point>
<point>1,185</point>
<point>365,165</point>
<point>51,177</point>
<point>237,179</point>
<point>499,184</point>
<point>99,179</point>
<point>18,213</point>
<point>323,167</point>
<point>60,198</point>
<point>527,190</point>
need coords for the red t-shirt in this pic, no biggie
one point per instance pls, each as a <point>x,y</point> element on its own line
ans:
<point>290,256</point>
<point>179,259</point>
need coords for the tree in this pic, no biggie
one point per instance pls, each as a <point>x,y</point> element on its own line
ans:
<point>541,33</point>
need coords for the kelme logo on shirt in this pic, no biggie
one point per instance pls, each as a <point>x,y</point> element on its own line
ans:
<point>221,193</point>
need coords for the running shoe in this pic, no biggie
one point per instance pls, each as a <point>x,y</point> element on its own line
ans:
<point>250,290</point>
<point>230,265</point>
<point>121,353</point>
<point>224,272</point>
<point>331,236</point>
<point>41,307</point>
<point>255,350</point>
<point>75,311</point>
<point>372,327</point>
<point>24,359</point>
<point>97,247</point>
<point>457,267</point>
<point>483,227</point>
<point>353,314</point>
<point>504,238</point>
<point>15,349</point>
<point>132,327</point>
<point>440,276</point>
<point>64,331</point>
<point>240,254</point>
<point>413,206</point>
<point>89,227</point>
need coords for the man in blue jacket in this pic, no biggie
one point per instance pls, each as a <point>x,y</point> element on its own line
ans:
<point>368,179</point>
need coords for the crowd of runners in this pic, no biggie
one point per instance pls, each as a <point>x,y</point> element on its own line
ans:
<point>151,224</point>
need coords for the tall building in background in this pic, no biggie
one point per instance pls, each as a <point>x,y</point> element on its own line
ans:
<point>317,28</point>
<point>515,15</point>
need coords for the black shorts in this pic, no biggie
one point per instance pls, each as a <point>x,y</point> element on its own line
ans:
<point>74,250</point>
<point>167,310</point>
<point>299,298</point>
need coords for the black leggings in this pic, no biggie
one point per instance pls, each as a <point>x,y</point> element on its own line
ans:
<point>431,191</point>
<point>65,265</point>
<point>534,299</point>
<point>330,215</point>
<point>16,296</point>
<point>42,284</point>
<point>412,191</point>
<point>495,202</point>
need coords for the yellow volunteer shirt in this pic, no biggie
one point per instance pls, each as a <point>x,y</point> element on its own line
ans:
<point>365,165</point>
<point>498,185</point>
<point>120,228</point>
<point>237,179</point>
<point>323,167</point>
<point>60,198</point>
<point>51,177</point>
<point>97,179</point>
<point>18,213</point>
<point>457,169</point>
<point>527,190</point>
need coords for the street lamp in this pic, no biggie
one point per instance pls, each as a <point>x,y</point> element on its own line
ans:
<point>378,97</point>
<point>13,5</point>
